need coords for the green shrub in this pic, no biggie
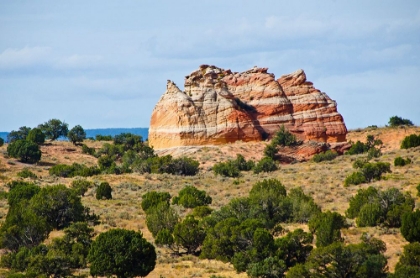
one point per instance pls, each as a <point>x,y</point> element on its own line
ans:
<point>357,148</point>
<point>369,215</point>
<point>26,173</point>
<point>303,206</point>
<point>152,199</point>
<point>80,186</point>
<point>326,226</point>
<point>201,211</point>
<point>191,197</point>
<point>129,141</point>
<point>399,161</point>
<point>159,217</point>
<point>397,121</point>
<point>374,171</point>
<point>410,141</point>
<point>20,134</point>
<point>355,178</point>
<point>26,151</point>
<point>266,164</point>
<point>374,153</point>
<point>122,253</point>
<point>372,147</point>
<point>283,137</point>
<point>100,137</point>
<point>76,135</point>
<point>409,263</point>
<point>104,191</point>
<point>233,168</point>
<point>410,226</point>
<point>183,166</point>
<point>227,169</point>
<point>188,234</point>
<point>325,156</point>
<point>87,150</point>
<point>242,164</point>
<point>271,151</point>
<point>418,190</point>
<point>36,135</point>
<point>161,164</point>
<point>371,207</point>
<point>54,128</point>
<point>69,171</point>
<point>367,172</point>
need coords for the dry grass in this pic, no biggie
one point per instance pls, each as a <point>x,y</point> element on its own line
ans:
<point>323,181</point>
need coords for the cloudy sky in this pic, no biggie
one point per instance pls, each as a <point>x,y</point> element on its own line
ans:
<point>105,63</point>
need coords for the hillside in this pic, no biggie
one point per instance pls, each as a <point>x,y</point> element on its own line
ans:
<point>322,181</point>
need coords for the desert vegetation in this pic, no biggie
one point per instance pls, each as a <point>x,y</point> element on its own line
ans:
<point>187,218</point>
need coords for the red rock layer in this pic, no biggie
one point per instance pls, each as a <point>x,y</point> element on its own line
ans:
<point>218,106</point>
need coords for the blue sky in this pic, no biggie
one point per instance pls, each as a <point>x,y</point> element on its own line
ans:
<point>105,63</point>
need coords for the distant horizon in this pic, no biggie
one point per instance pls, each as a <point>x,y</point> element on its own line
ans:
<point>92,132</point>
<point>96,128</point>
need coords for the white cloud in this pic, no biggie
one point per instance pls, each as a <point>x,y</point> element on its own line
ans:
<point>13,58</point>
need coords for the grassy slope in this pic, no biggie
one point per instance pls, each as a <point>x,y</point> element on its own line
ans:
<point>323,181</point>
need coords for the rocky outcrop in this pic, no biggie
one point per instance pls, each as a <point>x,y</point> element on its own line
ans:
<point>218,106</point>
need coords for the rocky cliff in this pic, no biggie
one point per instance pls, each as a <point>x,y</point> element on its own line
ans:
<point>218,106</point>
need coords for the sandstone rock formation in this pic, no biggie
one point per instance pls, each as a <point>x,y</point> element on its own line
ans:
<point>218,106</point>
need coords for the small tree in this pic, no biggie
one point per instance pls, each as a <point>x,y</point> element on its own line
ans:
<point>283,137</point>
<point>266,164</point>
<point>76,135</point>
<point>26,151</point>
<point>326,227</point>
<point>1,141</point>
<point>399,161</point>
<point>53,129</point>
<point>270,151</point>
<point>20,134</point>
<point>80,186</point>
<point>183,166</point>
<point>36,135</point>
<point>397,121</point>
<point>59,205</point>
<point>129,141</point>
<point>122,253</point>
<point>74,245</point>
<point>295,247</point>
<point>410,226</point>
<point>104,191</point>
<point>269,202</point>
<point>409,264</point>
<point>189,235</point>
<point>152,198</point>
<point>325,156</point>
<point>26,173</point>
<point>161,217</point>
<point>369,215</point>
<point>410,141</point>
<point>227,169</point>
<point>340,260</point>
<point>242,164</point>
<point>191,197</point>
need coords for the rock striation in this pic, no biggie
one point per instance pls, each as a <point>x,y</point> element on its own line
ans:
<point>219,106</point>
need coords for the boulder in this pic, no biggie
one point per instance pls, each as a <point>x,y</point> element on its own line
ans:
<point>219,106</point>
